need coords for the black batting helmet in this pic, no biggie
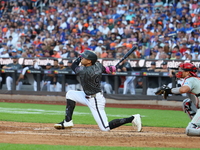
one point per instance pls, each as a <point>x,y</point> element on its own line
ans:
<point>89,55</point>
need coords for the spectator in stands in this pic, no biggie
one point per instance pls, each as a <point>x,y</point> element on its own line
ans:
<point>5,54</point>
<point>56,53</point>
<point>178,56</point>
<point>53,23</point>
<point>65,52</point>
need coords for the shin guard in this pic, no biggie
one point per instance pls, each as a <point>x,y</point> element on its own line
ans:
<point>189,108</point>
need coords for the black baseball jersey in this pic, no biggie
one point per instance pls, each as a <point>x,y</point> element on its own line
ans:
<point>59,76</point>
<point>13,66</point>
<point>90,77</point>
<point>152,81</point>
<point>49,77</point>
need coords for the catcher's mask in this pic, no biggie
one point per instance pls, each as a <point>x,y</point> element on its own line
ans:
<point>187,67</point>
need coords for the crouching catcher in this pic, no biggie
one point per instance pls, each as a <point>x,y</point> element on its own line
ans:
<point>191,86</point>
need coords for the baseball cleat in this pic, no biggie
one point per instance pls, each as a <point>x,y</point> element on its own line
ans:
<point>137,122</point>
<point>64,125</point>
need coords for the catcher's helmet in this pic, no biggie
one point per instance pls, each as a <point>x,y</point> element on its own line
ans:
<point>89,55</point>
<point>187,67</point>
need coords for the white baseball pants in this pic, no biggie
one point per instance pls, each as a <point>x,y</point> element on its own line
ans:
<point>96,105</point>
<point>9,82</point>
<point>35,85</point>
<point>128,84</point>
<point>151,91</point>
<point>67,88</point>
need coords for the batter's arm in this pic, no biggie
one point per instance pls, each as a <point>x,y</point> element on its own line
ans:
<point>76,63</point>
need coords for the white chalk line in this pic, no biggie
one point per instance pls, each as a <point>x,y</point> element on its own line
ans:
<point>48,112</point>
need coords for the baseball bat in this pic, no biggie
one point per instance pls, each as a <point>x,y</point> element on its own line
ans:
<point>126,55</point>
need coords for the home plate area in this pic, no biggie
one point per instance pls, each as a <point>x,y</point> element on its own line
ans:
<point>90,135</point>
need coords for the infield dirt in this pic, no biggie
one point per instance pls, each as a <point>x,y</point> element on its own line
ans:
<point>90,135</point>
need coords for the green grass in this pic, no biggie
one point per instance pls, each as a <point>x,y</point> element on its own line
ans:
<point>40,113</point>
<point>55,113</point>
<point>63,147</point>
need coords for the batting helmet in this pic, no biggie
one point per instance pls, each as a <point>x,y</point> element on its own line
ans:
<point>89,55</point>
<point>187,67</point>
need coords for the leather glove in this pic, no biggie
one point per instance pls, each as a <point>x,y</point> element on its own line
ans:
<point>165,90</point>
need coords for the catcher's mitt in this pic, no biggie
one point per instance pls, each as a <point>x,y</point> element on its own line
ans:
<point>165,90</point>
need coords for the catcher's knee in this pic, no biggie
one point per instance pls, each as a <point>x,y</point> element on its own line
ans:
<point>189,108</point>
<point>192,130</point>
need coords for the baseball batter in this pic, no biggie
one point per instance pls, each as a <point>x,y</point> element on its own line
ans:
<point>191,86</point>
<point>90,73</point>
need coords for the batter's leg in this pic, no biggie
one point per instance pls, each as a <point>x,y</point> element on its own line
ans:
<point>69,109</point>
<point>72,97</point>
<point>67,123</point>
<point>97,107</point>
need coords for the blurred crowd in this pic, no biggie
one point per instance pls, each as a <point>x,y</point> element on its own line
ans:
<point>65,28</point>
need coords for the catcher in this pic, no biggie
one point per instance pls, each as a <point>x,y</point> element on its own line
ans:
<point>191,86</point>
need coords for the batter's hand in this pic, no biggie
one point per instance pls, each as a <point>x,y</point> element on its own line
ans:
<point>165,90</point>
<point>110,69</point>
